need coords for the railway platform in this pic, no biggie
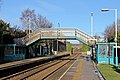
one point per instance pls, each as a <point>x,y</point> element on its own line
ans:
<point>73,67</point>
<point>82,69</point>
<point>28,61</point>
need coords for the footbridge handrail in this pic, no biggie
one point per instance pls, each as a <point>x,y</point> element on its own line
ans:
<point>54,33</point>
<point>84,33</point>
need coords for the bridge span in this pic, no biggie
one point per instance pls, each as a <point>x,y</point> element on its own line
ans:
<point>55,33</point>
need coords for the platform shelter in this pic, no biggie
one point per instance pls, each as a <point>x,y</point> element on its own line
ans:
<point>105,52</point>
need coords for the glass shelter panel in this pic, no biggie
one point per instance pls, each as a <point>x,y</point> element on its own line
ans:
<point>105,52</point>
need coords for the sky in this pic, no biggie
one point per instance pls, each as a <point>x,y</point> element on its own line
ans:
<point>69,13</point>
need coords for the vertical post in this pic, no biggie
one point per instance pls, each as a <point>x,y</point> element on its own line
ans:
<point>28,30</point>
<point>91,30</point>
<point>57,40</point>
<point>14,48</point>
<point>98,52</point>
<point>59,25</point>
<point>57,37</point>
<point>113,53</point>
<point>57,46</point>
<point>52,47</point>
<point>28,27</point>
<point>116,57</point>
<point>116,38</point>
<point>108,53</point>
<point>40,50</point>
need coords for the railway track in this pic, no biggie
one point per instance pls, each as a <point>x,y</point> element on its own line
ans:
<point>18,66</point>
<point>42,71</point>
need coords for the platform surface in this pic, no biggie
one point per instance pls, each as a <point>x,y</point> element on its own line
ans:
<point>82,69</point>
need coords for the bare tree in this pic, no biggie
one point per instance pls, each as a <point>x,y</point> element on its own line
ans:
<point>41,22</point>
<point>32,21</point>
<point>26,18</point>
<point>109,32</point>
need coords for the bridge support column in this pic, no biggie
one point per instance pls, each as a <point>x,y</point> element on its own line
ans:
<point>57,46</point>
<point>40,50</point>
<point>14,48</point>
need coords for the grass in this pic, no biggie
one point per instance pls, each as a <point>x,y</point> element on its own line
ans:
<point>109,72</point>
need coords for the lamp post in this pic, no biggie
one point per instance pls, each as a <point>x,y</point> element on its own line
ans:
<point>59,25</point>
<point>92,33</point>
<point>91,22</point>
<point>57,36</point>
<point>115,10</point>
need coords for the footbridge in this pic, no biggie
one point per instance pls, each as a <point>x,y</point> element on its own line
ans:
<point>55,33</point>
<point>104,50</point>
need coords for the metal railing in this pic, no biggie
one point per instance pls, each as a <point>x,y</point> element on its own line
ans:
<point>54,33</point>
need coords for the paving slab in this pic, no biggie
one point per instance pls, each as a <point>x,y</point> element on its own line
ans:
<point>82,69</point>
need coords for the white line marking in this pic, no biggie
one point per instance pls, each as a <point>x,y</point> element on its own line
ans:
<point>67,70</point>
